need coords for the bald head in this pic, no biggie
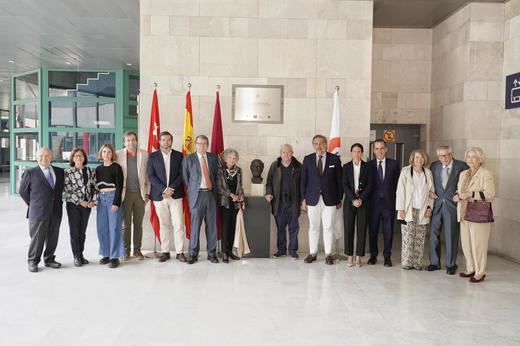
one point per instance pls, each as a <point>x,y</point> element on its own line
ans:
<point>44,156</point>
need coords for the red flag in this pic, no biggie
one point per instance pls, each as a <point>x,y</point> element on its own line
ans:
<point>217,147</point>
<point>187,148</point>
<point>153,145</point>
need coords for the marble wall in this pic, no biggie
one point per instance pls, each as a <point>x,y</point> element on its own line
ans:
<point>401,76</point>
<point>309,46</point>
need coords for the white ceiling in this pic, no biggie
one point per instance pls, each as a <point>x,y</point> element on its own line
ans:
<point>67,33</point>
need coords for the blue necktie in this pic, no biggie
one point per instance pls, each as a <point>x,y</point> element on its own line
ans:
<point>50,180</point>
<point>380,170</point>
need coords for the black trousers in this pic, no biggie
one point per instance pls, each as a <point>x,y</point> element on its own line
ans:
<point>353,216</point>
<point>42,233</point>
<point>78,221</point>
<point>229,222</point>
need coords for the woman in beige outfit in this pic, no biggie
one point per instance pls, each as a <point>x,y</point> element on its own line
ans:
<point>475,184</point>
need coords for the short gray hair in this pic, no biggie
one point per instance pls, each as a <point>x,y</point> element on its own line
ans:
<point>41,150</point>
<point>478,152</point>
<point>229,151</point>
<point>444,147</point>
<point>286,146</point>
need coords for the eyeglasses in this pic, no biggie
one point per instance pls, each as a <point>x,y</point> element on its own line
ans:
<point>443,156</point>
<point>201,143</point>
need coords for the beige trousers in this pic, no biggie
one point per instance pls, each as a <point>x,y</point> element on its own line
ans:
<point>171,218</point>
<point>474,240</point>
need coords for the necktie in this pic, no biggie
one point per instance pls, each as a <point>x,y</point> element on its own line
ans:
<point>205,171</point>
<point>445,176</point>
<point>49,177</point>
<point>380,170</point>
<point>320,164</point>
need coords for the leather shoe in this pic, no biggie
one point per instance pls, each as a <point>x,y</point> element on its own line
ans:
<point>433,267</point>
<point>294,256</point>
<point>164,257</point>
<point>126,257</point>
<point>451,270</point>
<point>329,260</point>
<point>33,267</point>
<point>139,255</point>
<point>225,258</point>
<point>310,258</point>
<point>192,259</point>
<point>180,257</point>
<point>53,264</point>
<point>466,275</point>
<point>279,254</point>
<point>114,263</point>
<point>473,280</point>
<point>84,260</point>
<point>104,260</point>
<point>233,256</point>
<point>388,262</point>
<point>372,260</point>
<point>213,259</point>
<point>78,262</point>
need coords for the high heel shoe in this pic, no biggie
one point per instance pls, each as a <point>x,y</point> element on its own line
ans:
<point>225,258</point>
<point>233,256</point>
<point>349,262</point>
<point>358,261</point>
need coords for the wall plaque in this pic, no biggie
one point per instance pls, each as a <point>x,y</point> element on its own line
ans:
<point>258,103</point>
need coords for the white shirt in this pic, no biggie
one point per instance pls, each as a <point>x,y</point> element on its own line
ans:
<point>383,165</point>
<point>44,170</point>
<point>166,158</point>
<point>203,183</point>
<point>357,171</point>
<point>420,189</point>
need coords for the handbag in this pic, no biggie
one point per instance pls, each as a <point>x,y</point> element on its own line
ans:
<point>479,211</point>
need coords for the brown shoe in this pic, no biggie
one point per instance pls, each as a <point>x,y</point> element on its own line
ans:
<point>126,257</point>
<point>138,254</point>
<point>329,260</point>
<point>466,275</point>
<point>310,258</point>
<point>181,257</point>
<point>164,257</point>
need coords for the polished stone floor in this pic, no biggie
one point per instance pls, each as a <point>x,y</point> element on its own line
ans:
<point>248,302</point>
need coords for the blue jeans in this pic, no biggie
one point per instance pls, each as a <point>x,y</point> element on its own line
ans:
<point>109,227</point>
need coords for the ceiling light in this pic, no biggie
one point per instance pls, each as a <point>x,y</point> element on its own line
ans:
<point>128,64</point>
<point>68,63</point>
<point>11,61</point>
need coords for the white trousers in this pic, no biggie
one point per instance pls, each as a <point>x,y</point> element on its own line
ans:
<point>171,218</point>
<point>325,214</point>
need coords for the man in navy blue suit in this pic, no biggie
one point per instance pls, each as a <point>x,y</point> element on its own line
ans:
<point>384,173</point>
<point>321,190</point>
<point>41,188</point>
<point>166,192</point>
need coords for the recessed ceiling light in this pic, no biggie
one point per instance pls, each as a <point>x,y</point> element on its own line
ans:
<point>11,61</point>
<point>128,64</point>
<point>1,80</point>
<point>68,63</point>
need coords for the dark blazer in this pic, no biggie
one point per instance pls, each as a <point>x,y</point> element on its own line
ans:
<point>329,184</point>
<point>384,192</point>
<point>223,189</point>
<point>192,174</point>
<point>365,185</point>
<point>445,196</point>
<point>273,185</point>
<point>157,175</point>
<point>41,199</point>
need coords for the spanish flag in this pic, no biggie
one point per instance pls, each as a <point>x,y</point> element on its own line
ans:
<point>187,148</point>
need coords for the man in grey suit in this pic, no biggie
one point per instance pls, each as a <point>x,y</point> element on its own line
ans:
<point>41,188</point>
<point>199,171</point>
<point>446,173</point>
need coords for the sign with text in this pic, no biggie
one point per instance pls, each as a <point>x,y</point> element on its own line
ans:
<point>513,91</point>
<point>258,103</point>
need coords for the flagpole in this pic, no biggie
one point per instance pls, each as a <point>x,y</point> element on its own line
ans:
<point>339,257</point>
<point>153,254</point>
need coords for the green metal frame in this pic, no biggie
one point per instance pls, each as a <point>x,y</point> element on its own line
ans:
<point>123,121</point>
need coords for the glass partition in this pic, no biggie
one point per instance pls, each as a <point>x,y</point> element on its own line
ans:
<point>26,87</point>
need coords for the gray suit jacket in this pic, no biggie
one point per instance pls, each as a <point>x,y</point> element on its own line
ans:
<point>445,196</point>
<point>192,175</point>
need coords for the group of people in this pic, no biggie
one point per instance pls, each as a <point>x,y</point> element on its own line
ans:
<point>369,194</point>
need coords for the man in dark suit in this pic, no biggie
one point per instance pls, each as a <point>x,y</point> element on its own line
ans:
<point>384,173</point>
<point>199,171</point>
<point>321,190</point>
<point>446,174</point>
<point>41,188</point>
<point>166,192</point>
<point>357,187</point>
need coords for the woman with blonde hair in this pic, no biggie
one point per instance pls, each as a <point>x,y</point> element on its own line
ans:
<point>476,190</point>
<point>109,183</point>
<point>414,204</point>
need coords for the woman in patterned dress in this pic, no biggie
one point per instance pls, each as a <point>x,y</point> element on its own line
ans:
<point>79,190</point>
<point>414,204</point>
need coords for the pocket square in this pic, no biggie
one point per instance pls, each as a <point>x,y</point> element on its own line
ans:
<point>332,166</point>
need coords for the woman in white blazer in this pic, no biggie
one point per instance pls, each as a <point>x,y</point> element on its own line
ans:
<point>414,204</point>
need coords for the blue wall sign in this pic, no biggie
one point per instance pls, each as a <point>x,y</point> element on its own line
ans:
<point>513,91</point>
